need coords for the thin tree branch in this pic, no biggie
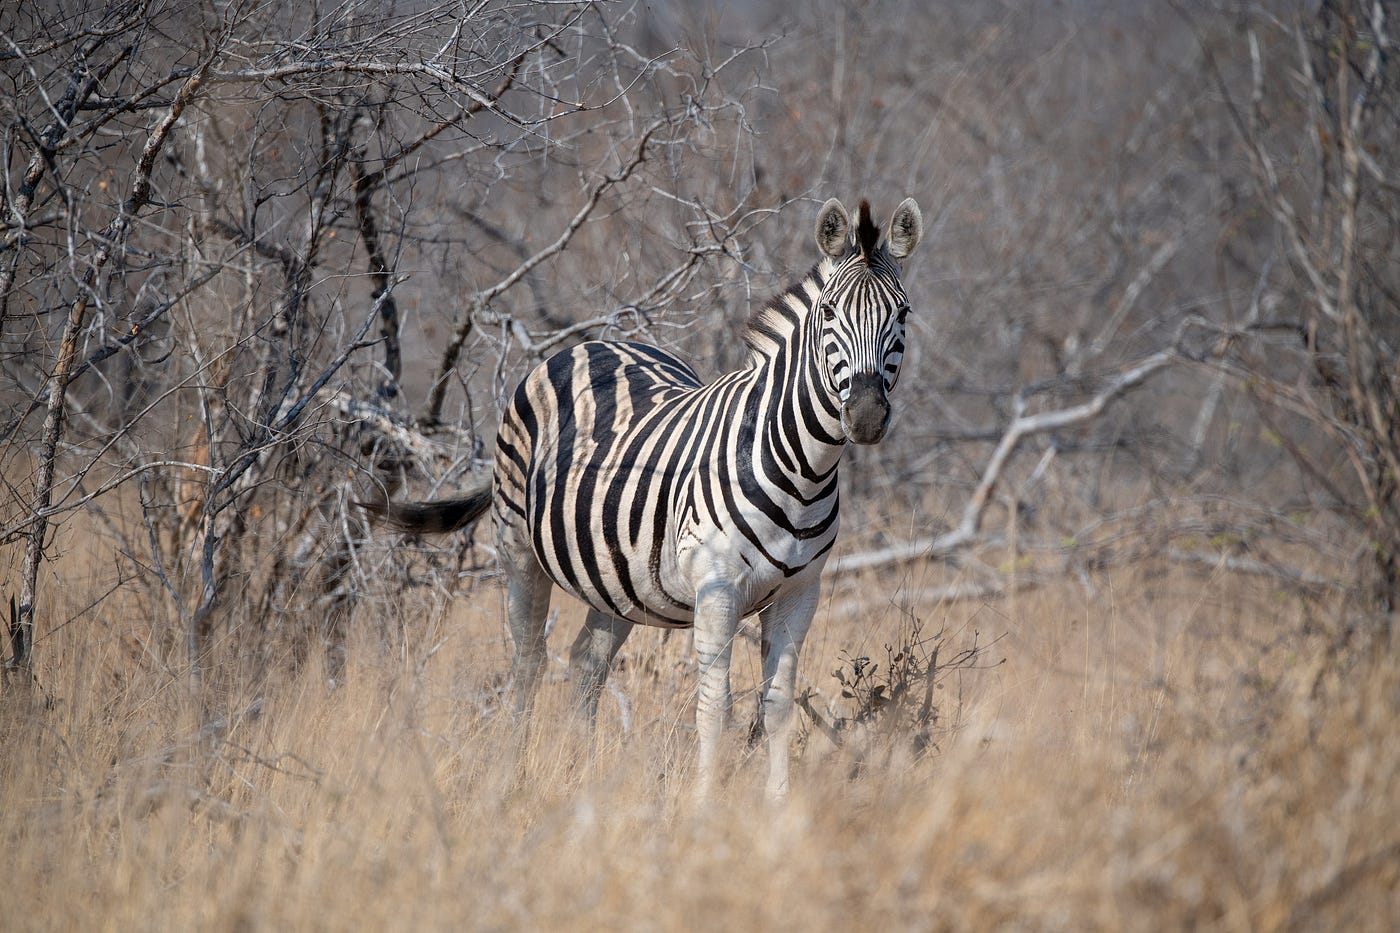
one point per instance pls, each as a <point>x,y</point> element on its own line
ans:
<point>1022,425</point>
<point>463,327</point>
<point>22,637</point>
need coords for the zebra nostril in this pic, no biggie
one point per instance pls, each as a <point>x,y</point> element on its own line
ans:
<point>866,411</point>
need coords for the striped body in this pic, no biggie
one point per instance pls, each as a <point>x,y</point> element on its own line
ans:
<point>622,471</point>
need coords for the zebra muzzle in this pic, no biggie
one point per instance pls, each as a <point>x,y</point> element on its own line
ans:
<point>866,411</point>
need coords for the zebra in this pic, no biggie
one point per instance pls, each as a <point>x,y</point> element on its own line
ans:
<point>659,499</point>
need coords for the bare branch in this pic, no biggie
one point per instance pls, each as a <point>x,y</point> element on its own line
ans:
<point>463,326</point>
<point>115,234</point>
<point>1022,425</point>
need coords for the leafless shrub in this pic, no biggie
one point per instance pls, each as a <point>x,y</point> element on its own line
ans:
<point>1317,354</point>
<point>905,704</point>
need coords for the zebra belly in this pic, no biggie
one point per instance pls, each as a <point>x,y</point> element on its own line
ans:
<point>649,601</point>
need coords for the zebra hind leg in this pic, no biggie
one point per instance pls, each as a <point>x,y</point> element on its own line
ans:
<point>527,605</point>
<point>591,658</point>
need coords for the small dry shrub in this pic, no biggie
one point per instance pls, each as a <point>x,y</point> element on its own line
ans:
<point>900,705</point>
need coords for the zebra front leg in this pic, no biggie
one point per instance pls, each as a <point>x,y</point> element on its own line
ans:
<point>592,656</point>
<point>527,605</point>
<point>784,626</point>
<point>716,616</point>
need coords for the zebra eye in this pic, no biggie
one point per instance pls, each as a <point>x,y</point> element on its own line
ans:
<point>902,313</point>
<point>828,312</point>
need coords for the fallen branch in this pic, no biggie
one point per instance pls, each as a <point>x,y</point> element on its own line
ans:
<point>1289,575</point>
<point>1021,426</point>
<point>1076,560</point>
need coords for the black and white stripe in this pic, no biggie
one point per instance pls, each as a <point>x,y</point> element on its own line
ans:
<point>661,500</point>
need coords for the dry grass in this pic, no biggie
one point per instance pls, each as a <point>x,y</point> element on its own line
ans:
<point>1169,750</point>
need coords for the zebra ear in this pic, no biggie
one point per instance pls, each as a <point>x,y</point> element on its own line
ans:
<point>906,228</point>
<point>833,229</point>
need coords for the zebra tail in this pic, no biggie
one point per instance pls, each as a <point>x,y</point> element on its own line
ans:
<point>432,518</point>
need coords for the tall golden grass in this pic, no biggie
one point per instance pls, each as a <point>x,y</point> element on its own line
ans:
<point>1160,749</point>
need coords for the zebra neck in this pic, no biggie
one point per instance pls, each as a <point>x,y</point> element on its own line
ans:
<point>800,416</point>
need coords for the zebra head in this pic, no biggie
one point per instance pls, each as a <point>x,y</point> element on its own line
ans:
<point>862,308</point>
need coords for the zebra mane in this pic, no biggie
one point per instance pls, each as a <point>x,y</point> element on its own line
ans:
<point>775,322</point>
<point>867,233</point>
